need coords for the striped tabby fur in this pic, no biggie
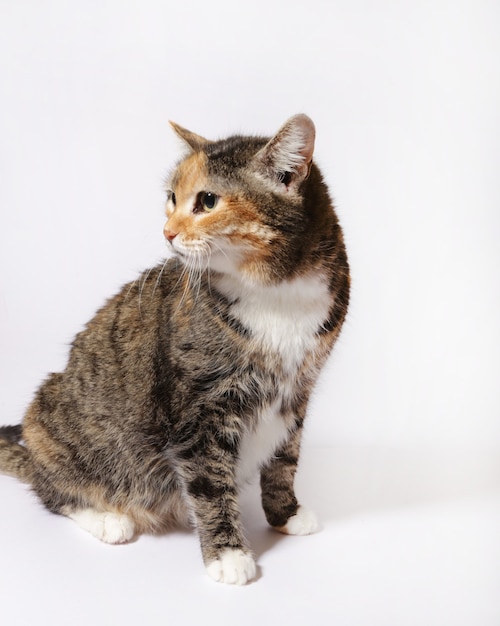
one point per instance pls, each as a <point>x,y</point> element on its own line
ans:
<point>198,375</point>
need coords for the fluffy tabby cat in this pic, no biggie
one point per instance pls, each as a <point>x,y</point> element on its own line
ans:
<point>198,374</point>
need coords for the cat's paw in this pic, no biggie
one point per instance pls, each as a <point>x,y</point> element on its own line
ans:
<point>233,566</point>
<point>117,528</point>
<point>108,527</point>
<point>304,522</point>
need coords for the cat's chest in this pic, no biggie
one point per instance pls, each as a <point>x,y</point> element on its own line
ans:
<point>283,319</point>
<point>260,443</point>
<point>283,323</point>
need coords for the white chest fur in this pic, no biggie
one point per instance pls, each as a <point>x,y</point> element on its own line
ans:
<point>258,446</point>
<point>283,318</point>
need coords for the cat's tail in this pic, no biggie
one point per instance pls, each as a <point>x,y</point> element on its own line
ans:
<point>14,457</point>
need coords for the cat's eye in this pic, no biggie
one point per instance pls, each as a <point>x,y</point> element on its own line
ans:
<point>206,201</point>
<point>285,178</point>
<point>171,196</point>
<point>209,200</point>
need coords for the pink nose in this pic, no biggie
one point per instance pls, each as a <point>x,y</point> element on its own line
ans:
<point>170,235</point>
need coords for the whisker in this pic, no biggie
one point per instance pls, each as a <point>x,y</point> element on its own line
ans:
<point>216,245</point>
<point>209,286</point>
<point>184,275</point>
<point>203,259</point>
<point>131,286</point>
<point>142,285</point>
<point>158,279</point>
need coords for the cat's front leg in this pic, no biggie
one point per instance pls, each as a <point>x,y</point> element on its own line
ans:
<point>233,566</point>
<point>213,496</point>
<point>280,505</point>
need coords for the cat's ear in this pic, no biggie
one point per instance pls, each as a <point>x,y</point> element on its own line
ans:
<point>194,141</point>
<point>286,158</point>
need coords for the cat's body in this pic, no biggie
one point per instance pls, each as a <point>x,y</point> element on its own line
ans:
<point>198,375</point>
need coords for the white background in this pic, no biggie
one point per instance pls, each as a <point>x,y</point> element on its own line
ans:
<point>403,441</point>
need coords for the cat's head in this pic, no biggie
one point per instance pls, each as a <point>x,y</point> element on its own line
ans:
<point>238,205</point>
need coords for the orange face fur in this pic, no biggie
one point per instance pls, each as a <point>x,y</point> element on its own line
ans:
<point>232,228</point>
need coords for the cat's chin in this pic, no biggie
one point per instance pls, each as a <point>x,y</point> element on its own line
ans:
<point>194,261</point>
<point>223,264</point>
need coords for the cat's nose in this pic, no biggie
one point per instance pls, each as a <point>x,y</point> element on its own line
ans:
<point>170,235</point>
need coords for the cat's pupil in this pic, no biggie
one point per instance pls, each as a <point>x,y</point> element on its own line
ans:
<point>173,198</point>
<point>209,200</point>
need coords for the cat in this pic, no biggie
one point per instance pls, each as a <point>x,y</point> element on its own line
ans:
<point>197,376</point>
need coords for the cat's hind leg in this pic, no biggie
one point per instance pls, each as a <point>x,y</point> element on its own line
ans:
<point>109,527</point>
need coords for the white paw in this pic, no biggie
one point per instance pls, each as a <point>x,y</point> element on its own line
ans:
<point>304,522</point>
<point>233,566</point>
<point>108,527</point>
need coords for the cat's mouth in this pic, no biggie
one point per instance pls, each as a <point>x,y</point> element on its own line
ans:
<point>190,249</point>
<point>179,252</point>
<point>215,254</point>
<point>196,256</point>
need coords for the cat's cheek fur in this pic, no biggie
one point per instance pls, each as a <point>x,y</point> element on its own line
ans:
<point>233,566</point>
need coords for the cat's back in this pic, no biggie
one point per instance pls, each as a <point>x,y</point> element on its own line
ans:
<point>128,322</point>
<point>112,360</point>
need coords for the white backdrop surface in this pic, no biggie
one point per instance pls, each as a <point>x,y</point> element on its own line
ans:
<point>406,100</point>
